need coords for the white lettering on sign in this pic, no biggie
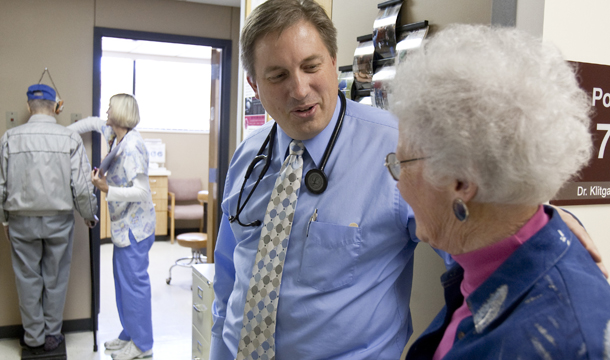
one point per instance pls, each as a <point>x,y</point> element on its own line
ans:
<point>599,191</point>
<point>581,191</point>
<point>606,128</point>
<point>598,94</point>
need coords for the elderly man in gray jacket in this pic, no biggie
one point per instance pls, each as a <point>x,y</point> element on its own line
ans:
<point>44,176</point>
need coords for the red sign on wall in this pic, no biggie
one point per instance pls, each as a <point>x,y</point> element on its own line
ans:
<point>593,186</point>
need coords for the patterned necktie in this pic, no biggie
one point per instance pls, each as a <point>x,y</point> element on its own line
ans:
<point>258,332</point>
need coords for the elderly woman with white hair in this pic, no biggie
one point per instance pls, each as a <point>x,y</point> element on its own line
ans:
<point>492,123</point>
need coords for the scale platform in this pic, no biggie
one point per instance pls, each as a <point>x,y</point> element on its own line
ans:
<point>40,354</point>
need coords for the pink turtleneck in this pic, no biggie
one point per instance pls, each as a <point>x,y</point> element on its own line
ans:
<point>478,265</point>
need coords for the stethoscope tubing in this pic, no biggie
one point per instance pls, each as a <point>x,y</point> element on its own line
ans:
<point>270,140</point>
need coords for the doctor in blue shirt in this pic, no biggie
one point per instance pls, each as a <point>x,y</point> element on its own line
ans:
<point>347,273</point>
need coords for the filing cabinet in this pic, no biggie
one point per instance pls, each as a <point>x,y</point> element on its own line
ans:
<point>203,296</point>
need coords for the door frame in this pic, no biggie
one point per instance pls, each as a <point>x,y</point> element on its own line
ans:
<point>217,175</point>
<point>220,173</point>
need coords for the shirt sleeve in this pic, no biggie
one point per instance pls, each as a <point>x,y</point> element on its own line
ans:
<point>83,196</point>
<point>224,279</point>
<point>3,177</point>
<point>137,192</point>
<point>92,123</point>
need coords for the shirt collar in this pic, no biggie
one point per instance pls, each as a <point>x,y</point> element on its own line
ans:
<point>315,146</point>
<point>42,118</point>
<point>530,261</point>
<point>479,264</point>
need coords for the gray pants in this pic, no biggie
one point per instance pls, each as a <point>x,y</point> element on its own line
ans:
<point>41,249</point>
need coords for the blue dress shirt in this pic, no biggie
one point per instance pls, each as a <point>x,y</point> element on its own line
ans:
<point>345,289</point>
<point>548,300</point>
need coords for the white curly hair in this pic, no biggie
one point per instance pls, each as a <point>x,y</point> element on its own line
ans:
<point>493,106</point>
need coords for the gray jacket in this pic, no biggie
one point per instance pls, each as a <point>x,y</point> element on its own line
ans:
<point>44,171</point>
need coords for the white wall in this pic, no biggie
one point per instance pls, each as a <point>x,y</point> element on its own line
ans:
<point>354,18</point>
<point>530,16</point>
<point>581,30</point>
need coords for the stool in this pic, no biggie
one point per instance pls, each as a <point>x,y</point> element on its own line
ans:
<point>197,242</point>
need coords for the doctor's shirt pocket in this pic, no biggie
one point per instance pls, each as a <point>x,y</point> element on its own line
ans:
<point>330,256</point>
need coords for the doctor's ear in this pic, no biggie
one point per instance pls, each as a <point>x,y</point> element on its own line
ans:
<point>252,83</point>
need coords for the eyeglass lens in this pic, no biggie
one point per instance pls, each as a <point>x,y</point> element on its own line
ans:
<point>393,165</point>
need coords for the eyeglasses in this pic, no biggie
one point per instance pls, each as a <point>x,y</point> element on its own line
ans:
<point>393,164</point>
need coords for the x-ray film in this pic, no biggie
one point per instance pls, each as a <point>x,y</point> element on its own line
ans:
<point>384,74</point>
<point>363,62</point>
<point>346,80</point>
<point>410,41</point>
<point>384,29</point>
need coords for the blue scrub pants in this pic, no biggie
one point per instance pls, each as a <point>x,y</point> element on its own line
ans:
<point>133,293</point>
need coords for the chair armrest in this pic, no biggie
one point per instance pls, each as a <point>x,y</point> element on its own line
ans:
<point>202,196</point>
<point>172,200</point>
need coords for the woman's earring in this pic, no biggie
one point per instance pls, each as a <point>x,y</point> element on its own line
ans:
<point>460,210</point>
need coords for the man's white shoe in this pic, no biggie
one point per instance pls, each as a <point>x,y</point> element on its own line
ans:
<point>116,344</point>
<point>131,351</point>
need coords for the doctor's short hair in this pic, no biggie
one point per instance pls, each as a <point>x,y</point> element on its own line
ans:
<point>125,111</point>
<point>496,107</point>
<point>278,15</point>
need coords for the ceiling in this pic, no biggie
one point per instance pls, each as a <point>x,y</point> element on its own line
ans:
<point>233,3</point>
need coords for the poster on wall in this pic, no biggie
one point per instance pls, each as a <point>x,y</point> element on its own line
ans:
<point>254,113</point>
<point>593,185</point>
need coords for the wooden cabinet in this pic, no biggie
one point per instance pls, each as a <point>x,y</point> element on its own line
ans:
<point>203,296</point>
<point>158,189</point>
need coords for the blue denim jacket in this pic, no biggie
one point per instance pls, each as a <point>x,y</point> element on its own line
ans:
<point>548,300</point>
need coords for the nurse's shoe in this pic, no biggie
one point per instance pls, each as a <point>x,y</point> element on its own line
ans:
<point>116,344</point>
<point>131,351</point>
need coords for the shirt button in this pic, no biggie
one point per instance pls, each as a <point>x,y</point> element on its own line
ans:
<point>461,335</point>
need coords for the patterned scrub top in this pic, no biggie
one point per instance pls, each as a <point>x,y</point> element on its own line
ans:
<point>131,160</point>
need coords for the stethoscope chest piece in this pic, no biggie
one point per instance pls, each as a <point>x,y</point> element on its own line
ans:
<point>315,181</point>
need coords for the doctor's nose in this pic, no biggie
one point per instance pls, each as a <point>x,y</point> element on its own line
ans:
<point>299,87</point>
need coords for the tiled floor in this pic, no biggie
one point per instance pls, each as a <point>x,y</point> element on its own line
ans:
<point>171,307</point>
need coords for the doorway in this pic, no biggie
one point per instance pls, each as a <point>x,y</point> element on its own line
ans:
<point>218,100</point>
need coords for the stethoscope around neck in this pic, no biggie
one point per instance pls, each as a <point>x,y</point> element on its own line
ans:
<point>316,180</point>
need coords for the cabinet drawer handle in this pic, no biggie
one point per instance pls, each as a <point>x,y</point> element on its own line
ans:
<point>154,192</point>
<point>153,180</point>
<point>199,307</point>
<point>200,292</point>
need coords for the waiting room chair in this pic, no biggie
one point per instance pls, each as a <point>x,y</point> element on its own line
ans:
<point>185,190</point>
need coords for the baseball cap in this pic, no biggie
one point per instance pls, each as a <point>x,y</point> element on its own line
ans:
<point>41,91</point>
